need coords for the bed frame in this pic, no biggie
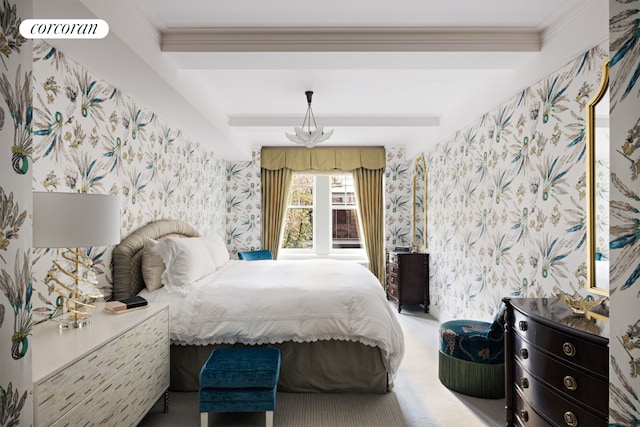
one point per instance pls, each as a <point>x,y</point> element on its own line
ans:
<point>321,366</point>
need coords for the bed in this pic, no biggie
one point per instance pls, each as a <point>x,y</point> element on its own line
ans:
<point>358,351</point>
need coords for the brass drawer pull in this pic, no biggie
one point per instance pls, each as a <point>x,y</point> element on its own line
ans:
<point>524,353</point>
<point>570,419</point>
<point>524,415</point>
<point>522,325</point>
<point>570,383</point>
<point>524,382</point>
<point>569,349</point>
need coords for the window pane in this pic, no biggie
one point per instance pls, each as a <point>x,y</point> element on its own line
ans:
<point>301,196</point>
<point>345,229</point>
<point>298,229</point>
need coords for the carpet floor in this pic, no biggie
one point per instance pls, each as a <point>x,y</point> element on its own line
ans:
<point>418,399</point>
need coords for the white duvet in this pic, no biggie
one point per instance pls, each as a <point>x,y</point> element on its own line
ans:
<point>259,302</point>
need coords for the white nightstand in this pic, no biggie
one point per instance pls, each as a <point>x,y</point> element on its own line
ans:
<point>109,373</point>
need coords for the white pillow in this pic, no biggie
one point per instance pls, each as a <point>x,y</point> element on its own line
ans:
<point>217,248</point>
<point>152,265</point>
<point>186,260</point>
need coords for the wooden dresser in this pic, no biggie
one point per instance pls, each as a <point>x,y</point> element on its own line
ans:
<point>557,365</point>
<point>109,373</point>
<point>408,279</point>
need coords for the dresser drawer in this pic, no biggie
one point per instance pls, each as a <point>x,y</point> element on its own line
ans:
<point>571,349</point>
<point>393,258</point>
<point>525,415</point>
<point>135,387</point>
<point>558,409</point>
<point>575,383</point>
<point>392,279</point>
<point>61,392</point>
<point>393,268</point>
<point>392,291</point>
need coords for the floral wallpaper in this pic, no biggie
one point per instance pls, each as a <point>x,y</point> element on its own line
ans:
<point>243,205</point>
<point>16,292</point>
<point>398,196</point>
<point>624,51</point>
<point>89,137</point>
<point>506,197</point>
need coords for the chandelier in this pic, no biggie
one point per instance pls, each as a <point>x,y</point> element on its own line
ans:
<point>304,135</point>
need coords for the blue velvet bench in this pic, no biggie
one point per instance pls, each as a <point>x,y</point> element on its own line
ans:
<point>471,357</point>
<point>239,380</point>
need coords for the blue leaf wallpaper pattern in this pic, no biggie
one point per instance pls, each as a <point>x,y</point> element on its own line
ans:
<point>16,151</point>
<point>505,197</point>
<point>91,138</point>
<point>624,215</point>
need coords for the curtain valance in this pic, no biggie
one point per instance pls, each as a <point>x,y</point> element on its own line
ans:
<point>323,159</point>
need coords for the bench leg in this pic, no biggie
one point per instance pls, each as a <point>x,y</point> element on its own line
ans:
<point>269,418</point>
<point>204,419</point>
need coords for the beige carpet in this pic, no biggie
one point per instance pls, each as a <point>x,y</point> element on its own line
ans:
<point>417,400</point>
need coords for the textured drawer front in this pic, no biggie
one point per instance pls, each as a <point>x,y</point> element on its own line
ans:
<point>63,391</point>
<point>571,349</point>
<point>137,373</point>
<point>559,410</point>
<point>526,415</point>
<point>573,382</point>
<point>134,389</point>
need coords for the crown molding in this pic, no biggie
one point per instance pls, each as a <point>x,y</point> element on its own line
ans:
<point>351,39</point>
<point>337,121</point>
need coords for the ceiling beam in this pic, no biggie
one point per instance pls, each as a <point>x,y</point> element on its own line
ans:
<point>338,121</point>
<point>353,39</point>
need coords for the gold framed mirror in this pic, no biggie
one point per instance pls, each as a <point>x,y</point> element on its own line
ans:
<point>419,233</point>
<point>597,187</point>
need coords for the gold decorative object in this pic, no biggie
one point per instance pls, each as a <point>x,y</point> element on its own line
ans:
<point>75,220</point>
<point>82,289</point>
<point>578,303</point>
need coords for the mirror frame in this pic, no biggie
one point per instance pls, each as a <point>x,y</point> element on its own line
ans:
<point>590,129</point>
<point>419,162</point>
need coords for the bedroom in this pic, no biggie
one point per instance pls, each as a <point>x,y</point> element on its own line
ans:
<point>52,174</point>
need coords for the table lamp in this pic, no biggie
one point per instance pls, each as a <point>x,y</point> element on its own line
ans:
<point>75,220</point>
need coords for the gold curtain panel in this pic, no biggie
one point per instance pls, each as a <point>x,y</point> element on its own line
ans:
<point>323,159</point>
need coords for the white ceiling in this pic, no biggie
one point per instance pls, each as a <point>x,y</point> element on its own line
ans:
<point>407,72</point>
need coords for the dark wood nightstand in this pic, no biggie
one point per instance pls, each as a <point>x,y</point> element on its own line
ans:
<point>408,279</point>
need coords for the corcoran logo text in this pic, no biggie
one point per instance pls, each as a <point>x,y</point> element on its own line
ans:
<point>64,28</point>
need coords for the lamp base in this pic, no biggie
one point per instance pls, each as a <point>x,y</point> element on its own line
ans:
<point>74,322</point>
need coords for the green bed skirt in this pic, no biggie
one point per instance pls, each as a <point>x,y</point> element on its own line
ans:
<point>473,379</point>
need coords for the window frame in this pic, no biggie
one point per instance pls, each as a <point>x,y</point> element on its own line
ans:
<point>322,229</point>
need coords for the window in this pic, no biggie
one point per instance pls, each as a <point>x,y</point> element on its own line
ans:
<point>344,213</point>
<point>322,216</point>
<point>298,227</point>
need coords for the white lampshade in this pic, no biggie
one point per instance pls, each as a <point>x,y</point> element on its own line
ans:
<point>75,220</point>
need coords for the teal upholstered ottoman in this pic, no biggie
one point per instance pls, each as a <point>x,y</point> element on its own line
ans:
<point>471,357</point>
<point>239,380</point>
<point>255,255</point>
